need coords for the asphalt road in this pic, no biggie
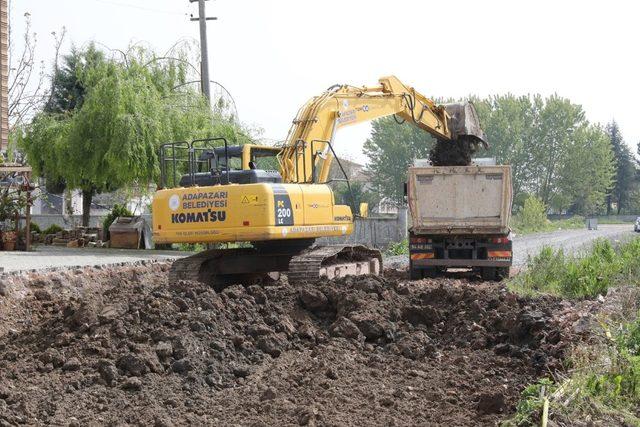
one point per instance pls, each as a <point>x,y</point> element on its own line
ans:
<point>572,241</point>
<point>54,257</point>
<point>44,257</point>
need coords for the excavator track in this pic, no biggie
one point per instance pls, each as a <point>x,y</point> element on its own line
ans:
<point>222,267</point>
<point>334,261</point>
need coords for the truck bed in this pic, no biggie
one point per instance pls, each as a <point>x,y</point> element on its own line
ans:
<point>469,200</point>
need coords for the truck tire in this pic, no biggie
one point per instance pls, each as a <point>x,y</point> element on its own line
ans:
<point>502,273</point>
<point>488,273</point>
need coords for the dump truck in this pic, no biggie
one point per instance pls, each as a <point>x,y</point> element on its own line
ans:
<point>459,218</point>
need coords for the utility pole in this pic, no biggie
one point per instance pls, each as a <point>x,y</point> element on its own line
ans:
<point>204,50</point>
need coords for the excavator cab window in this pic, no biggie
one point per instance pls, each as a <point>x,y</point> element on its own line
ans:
<point>265,158</point>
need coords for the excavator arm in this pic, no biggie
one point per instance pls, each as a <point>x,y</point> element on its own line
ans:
<point>306,156</point>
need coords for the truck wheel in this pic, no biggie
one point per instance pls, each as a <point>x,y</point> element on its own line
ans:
<point>488,273</point>
<point>502,273</point>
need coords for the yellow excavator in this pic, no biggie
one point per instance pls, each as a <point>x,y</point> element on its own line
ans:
<point>277,198</point>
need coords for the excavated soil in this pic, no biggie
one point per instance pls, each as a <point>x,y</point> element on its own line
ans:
<point>119,345</point>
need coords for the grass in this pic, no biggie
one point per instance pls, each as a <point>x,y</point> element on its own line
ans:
<point>602,382</point>
<point>521,227</point>
<point>603,266</point>
<point>398,248</point>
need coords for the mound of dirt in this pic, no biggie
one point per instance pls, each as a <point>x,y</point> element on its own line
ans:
<point>124,346</point>
<point>453,153</point>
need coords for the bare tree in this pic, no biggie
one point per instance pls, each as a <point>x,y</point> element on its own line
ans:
<point>28,90</point>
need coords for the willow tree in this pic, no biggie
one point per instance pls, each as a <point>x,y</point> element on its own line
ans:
<point>130,106</point>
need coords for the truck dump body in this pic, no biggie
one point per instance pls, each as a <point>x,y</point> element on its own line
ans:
<point>460,219</point>
<point>472,200</point>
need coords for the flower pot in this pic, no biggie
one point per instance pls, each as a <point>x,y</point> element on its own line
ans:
<point>9,239</point>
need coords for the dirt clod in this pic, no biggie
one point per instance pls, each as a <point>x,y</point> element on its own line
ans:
<point>491,403</point>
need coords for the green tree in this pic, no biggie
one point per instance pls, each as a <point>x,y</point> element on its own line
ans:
<point>508,122</point>
<point>358,194</point>
<point>625,169</point>
<point>391,149</point>
<point>547,141</point>
<point>67,88</point>
<point>122,111</point>
<point>587,171</point>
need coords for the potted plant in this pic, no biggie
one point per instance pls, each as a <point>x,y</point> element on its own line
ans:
<point>11,202</point>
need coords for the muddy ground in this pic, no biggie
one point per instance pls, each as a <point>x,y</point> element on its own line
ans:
<point>118,345</point>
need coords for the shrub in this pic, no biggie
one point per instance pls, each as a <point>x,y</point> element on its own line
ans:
<point>398,248</point>
<point>52,229</point>
<point>35,228</point>
<point>118,210</point>
<point>533,214</point>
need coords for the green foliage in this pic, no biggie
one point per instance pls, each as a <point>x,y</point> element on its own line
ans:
<point>35,228</point>
<point>398,248</point>
<point>52,229</point>
<point>68,90</point>
<point>619,384</point>
<point>586,174</point>
<point>553,272</point>
<point>116,211</point>
<point>529,407</point>
<point>554,152</point>
<point>626,173</point>
<point>12,202</point>
<point>532,218</point>
<point>358,194</point>
<point>533,214</point>
<point>108,117</point>
<point>391,149</point>
<point>604,383</point>
<point>521,228</point>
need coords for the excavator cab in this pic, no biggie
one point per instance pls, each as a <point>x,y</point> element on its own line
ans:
<point>205,162</point>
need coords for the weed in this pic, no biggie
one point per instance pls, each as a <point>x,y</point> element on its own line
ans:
<point>553,272</point>
<point>529,407</point>
<point>398,248</point>
<point>52,229</point>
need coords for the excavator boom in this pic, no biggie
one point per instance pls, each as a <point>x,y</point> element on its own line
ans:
<point>306,147</point>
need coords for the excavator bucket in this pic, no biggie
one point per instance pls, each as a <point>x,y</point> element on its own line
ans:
<point>465,123</point>
<point>466,134</point>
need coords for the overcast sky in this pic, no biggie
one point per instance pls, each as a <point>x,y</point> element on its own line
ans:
<point>274,55</point>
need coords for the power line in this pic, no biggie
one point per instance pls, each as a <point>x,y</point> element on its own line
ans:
<point>147,9</point>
